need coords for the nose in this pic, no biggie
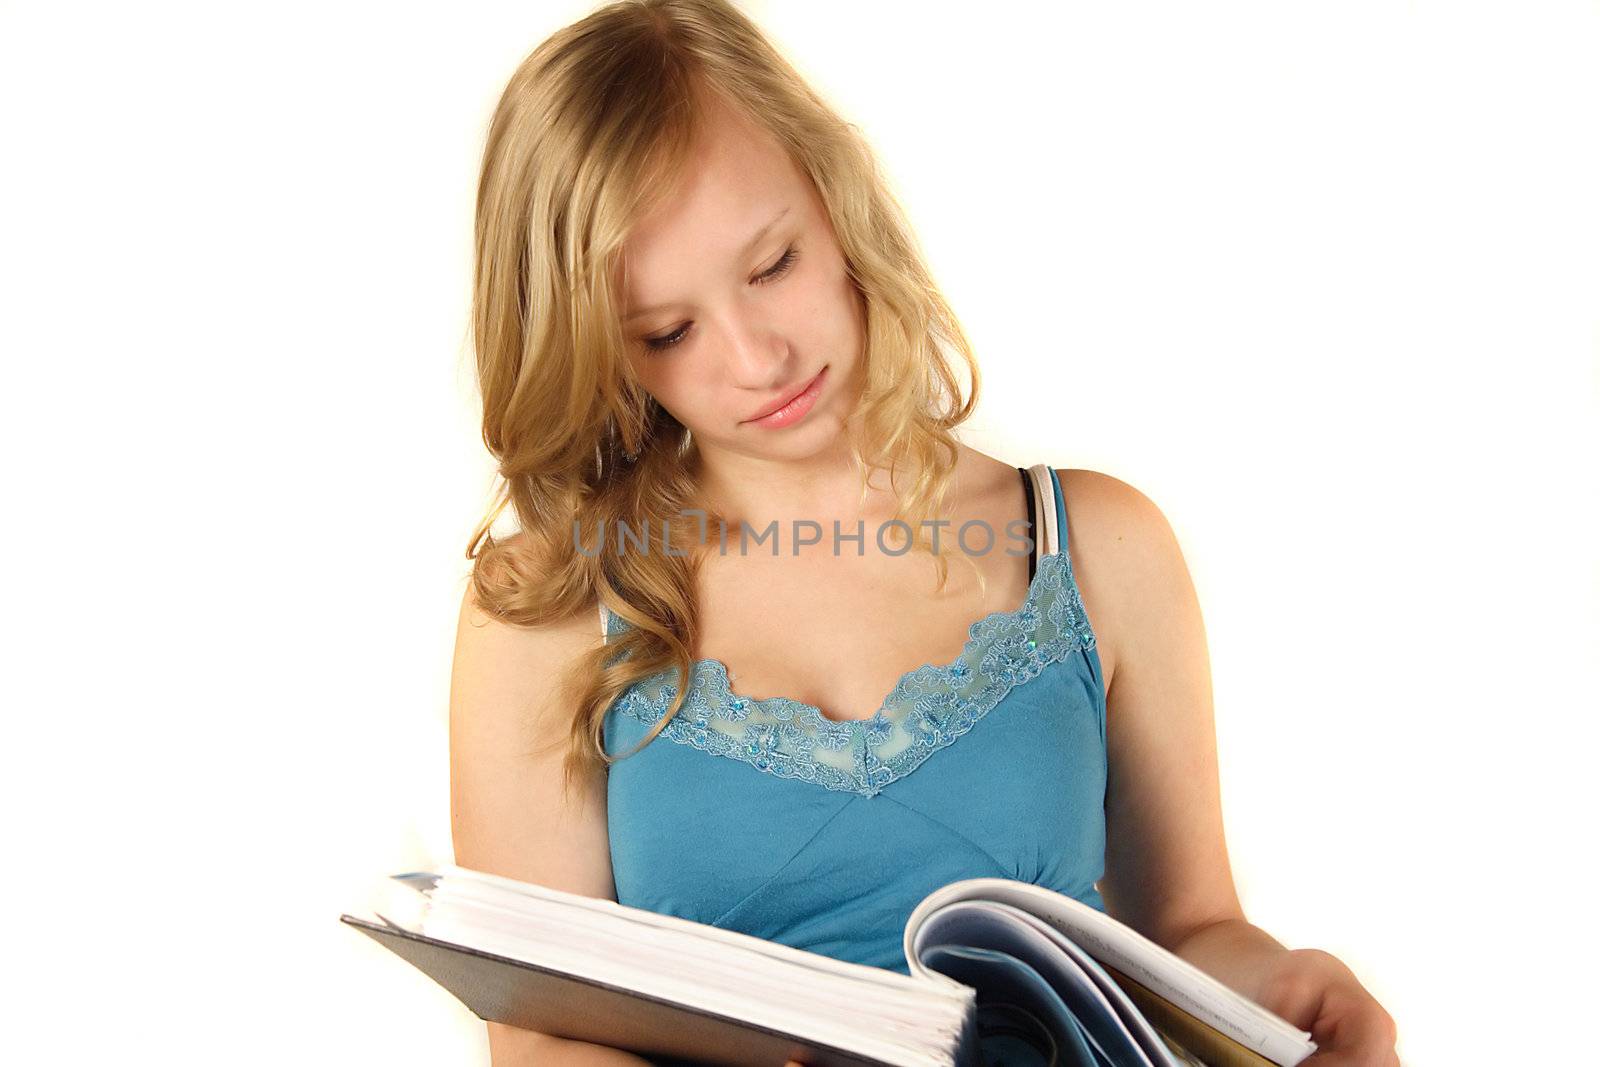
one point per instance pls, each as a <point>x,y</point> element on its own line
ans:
<point>758,359</point>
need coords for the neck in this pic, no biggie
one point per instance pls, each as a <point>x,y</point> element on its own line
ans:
<point>820,488</point>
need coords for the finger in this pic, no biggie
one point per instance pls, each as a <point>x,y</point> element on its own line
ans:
<point>1339,1057</point>
<point>1362,1027</point>
<point>1332,1057</point>
<point>1297,997</point>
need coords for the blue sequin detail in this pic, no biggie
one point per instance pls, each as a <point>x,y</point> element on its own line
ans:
<point>928,708</point>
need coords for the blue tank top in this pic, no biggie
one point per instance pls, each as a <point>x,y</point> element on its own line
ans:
<point>765,817</point>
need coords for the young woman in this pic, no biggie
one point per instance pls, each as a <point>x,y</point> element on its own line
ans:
<point>699,313</point>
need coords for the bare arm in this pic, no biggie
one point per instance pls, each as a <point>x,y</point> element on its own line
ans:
<point>511,1047</point>
<point>508,815</point>
<point>1167,871</point>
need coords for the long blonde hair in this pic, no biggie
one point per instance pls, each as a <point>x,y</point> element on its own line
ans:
<point>591,131</point>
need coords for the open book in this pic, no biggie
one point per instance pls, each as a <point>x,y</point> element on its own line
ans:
<point>1001,972</point>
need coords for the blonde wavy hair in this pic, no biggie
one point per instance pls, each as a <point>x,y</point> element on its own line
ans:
<point>590,133</point>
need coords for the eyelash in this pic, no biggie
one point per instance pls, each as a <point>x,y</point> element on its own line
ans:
<point>771,274</point>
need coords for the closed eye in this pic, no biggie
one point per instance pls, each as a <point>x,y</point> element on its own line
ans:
<point>780,268</point>
<point>771,274</point>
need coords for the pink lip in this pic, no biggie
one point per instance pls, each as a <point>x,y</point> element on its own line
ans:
<point>793,408</point>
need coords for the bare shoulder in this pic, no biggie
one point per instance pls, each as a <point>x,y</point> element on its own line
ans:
<point>492,650</point>
<point>510,724</point>
<point>1123,552</point>
<point>1106,504</point>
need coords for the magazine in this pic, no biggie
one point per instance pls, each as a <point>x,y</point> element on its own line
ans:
<point>1001,971</point>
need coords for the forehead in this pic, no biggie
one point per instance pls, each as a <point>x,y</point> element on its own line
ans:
<point>735,177</point>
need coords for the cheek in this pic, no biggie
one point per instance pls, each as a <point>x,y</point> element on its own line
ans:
<point>829,310</point>
<point>663,379</point>
<point>684,383</point>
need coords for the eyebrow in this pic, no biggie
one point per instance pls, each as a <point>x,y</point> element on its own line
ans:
<point>749,246</point>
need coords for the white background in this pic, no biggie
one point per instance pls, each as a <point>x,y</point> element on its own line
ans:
<point>1321,280</point>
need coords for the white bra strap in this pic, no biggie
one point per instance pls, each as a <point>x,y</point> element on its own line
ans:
<point>1044,497</point>
<point>602,621</point>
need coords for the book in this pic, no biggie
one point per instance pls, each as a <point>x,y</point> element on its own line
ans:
<point>1001,972</point>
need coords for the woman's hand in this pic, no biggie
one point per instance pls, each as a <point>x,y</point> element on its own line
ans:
<point>1316,992</point>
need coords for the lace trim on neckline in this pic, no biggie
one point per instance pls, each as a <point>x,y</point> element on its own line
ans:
<point>928,708</point>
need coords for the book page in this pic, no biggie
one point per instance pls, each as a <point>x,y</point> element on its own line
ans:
<point>1130,953</point>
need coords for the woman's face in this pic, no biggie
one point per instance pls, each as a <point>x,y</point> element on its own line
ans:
<point>735,297</point>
